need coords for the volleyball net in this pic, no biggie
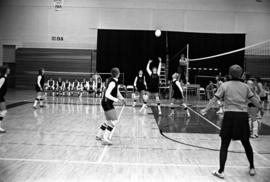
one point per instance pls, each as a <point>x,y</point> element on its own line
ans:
<point>200,71</point>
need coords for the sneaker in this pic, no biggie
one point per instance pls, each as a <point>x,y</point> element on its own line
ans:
<point>188,113</point>
<point>35,107</point>
<point>99,138</point>
<point>219,175</point>
<point>2,130</point>
<point>106,141</point>
<point>252,172</point>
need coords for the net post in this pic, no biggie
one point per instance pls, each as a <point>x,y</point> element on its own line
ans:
<point>187,69</point>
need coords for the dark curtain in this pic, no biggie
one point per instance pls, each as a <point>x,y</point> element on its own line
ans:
<point>130,50</point>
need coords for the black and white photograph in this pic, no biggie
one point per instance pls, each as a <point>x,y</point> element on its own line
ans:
<point>134,90</point>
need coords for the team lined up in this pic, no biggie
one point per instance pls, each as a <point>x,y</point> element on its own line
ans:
<point>75,88</point>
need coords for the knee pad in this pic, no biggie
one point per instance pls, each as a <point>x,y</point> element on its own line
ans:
<point>157,99</point>
<point>133,96</point>
<point>145,97</point>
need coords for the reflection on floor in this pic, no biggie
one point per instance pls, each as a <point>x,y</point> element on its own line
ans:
<point>180,123</point>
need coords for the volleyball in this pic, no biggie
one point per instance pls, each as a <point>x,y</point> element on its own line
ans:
<point>158,33</point>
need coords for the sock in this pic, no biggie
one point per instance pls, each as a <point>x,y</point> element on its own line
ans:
<point>107,132</point>
<point>255,128</point>
<point>101,129</point>
<point>41,102</point>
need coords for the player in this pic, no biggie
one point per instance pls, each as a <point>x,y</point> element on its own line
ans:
<point>75,87</point>
<point>67,86</point>
<point>235,125</point>
<point>177,94</point>
<point>253,111</point>
<point>182,68</point>
<point>153,85</point>
<point>84,87</point>
<point>59,86</point>
<point>140,87</point>
<point>39,89</point>
<point>112,94</point>
<point>210,90</point>
<point>4,70</point>
<point>219,102</point>
<point>51,86</point>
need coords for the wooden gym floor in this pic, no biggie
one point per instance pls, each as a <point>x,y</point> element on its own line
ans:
<point>57,143</point>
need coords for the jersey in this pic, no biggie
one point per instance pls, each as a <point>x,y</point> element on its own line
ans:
<point>50,83</point>
<point>177,93</point>
<point>153,85</point>
<point>140,83</point>
<point>114,90</point>
<point>3,89</point>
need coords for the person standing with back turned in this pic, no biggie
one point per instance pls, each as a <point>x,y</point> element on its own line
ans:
<point>235,124</point>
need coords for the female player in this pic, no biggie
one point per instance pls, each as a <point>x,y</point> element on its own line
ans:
<point>140,87</point>
<point>111,95</point>
<point>177,94</point>
<point>67,87</point>
<point>262,94</point>
<point>181,69</point>
<point>39,89</point>
<point>3,89</point>
<point>59,87</point>
<point>235,125</point>
<point>153,85</point>
<point>253,111</point>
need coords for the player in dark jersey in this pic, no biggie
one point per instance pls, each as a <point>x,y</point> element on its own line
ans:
<point>153,84</point>
<point>91,85</point>
<point>75,87</point>
<point>39,88</point>
<point>84,87</point>
<point>59,87</point>
<point>140,87</point>
<point>50,86</point>
<point>112,94</point>
<point>67,87</point>
<point>4,71</point>
<point>177,94</point>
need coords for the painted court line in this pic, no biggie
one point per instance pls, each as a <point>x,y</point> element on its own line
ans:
<point>106,147</point>
<point>123,163</point>
<point>255,152</point>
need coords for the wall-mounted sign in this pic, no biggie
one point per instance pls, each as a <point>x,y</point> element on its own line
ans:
<point>58,4</point>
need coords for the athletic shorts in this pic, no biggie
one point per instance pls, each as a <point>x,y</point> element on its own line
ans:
<point>107,105</point>
<point>178,96</point>
<point>38,89</point>
<point>235,125</point>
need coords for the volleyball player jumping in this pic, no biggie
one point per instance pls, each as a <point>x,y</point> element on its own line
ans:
<point>153,85</point>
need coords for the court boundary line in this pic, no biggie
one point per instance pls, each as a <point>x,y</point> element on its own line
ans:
<point>106,147</point>
<point>254,151</point>
<point>124,163</point>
